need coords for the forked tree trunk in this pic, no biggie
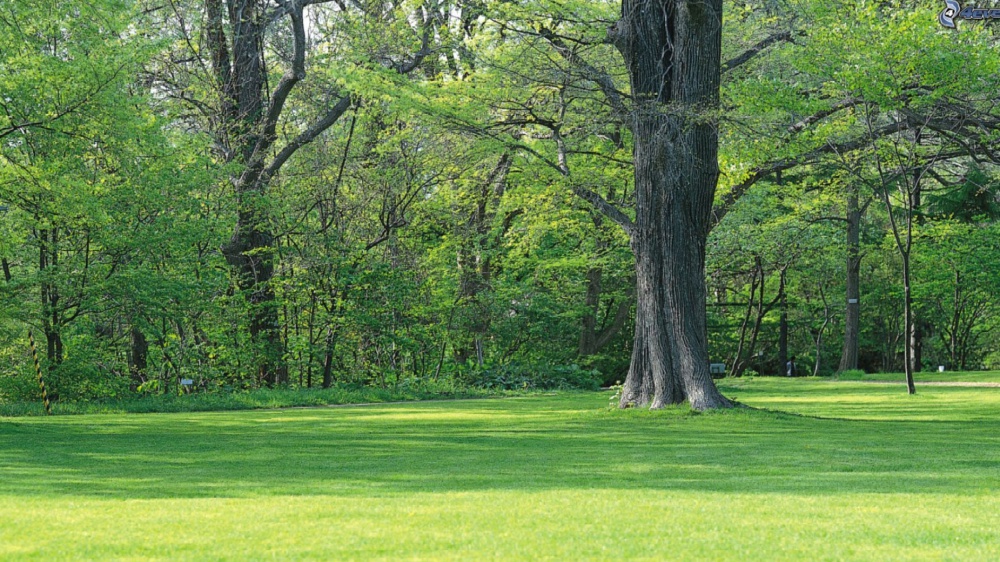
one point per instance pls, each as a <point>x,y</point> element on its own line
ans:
<point>592,337</point>
<point>673,51</point>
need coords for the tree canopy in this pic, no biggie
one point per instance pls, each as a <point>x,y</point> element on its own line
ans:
<point>247,193</point>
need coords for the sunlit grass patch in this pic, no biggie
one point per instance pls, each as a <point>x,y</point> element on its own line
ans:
<point>813,470</point>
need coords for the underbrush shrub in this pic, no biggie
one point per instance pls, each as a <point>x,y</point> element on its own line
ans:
<point>84,376</point>
<point>19,383</point>
<point>992,361</point>
<point>282,397</point>
<point>851,375</point>
<point>513,376</point>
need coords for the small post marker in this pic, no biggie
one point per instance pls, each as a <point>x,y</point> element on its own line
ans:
<point>38,369</point>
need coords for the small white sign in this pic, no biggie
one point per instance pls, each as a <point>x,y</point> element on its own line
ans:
<point>940,368</point>
<point>187,382</point>
<point>852,301</point>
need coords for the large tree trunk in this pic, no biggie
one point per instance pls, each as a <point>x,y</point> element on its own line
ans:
<point>673,52</point>
<point>849,355</point>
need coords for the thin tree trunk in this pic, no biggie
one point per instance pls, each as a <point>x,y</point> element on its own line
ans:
<point>743,360</point>
<point>916,332</point>
<point>593,340</point>
<point>48,258</point>
<point>138,357</point>
<point>852,316</point>
<point>822,329</point>
<point>782,324</point>
<point>592,301</point>
<point>908,324</point>
<point>916,344</point>
<point>739,364</point>
<point>955,320</point>
<point>328,359</point>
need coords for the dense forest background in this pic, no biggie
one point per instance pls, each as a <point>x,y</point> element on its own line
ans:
<point>250,193</point>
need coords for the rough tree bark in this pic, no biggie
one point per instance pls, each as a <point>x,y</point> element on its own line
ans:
<point>672,49</point>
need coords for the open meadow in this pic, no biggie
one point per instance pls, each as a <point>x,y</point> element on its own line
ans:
<point>845,470</point>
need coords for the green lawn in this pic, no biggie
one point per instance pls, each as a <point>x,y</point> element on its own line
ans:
<point>850,470</point>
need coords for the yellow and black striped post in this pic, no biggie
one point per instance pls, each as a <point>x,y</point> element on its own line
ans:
<point>38,369</point>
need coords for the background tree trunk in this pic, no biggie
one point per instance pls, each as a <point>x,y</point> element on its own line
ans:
<point>783,326</point>
<point>849,355</point>
<point>138,357</point>
<point>593,338</point>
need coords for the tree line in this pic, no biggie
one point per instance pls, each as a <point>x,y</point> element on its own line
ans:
<point>247,193</point>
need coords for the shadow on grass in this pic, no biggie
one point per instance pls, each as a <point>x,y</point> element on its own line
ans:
<point>531,444</point>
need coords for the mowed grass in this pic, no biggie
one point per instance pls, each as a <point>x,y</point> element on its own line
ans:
<point>847,470</point>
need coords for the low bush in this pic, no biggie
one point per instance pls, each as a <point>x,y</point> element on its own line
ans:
<point>851,375</point>
<point>514,376</point>
<point>255,399</point>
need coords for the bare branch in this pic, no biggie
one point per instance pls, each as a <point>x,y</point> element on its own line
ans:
<point>765,170</point>
<point>309,135</point>
<point>752,52</point>
<point>623,313</point>
<point>606,209</point>
<point>286,7</point>
<point>819,115</point>
<point>419,56</point>
<point>295,73</point>
<point>602,79</point>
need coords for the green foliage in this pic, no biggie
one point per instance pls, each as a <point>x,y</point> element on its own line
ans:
<point>851,375</point>
<point>200,401</point>
<point>514,376</point>
<point>431,235</point>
